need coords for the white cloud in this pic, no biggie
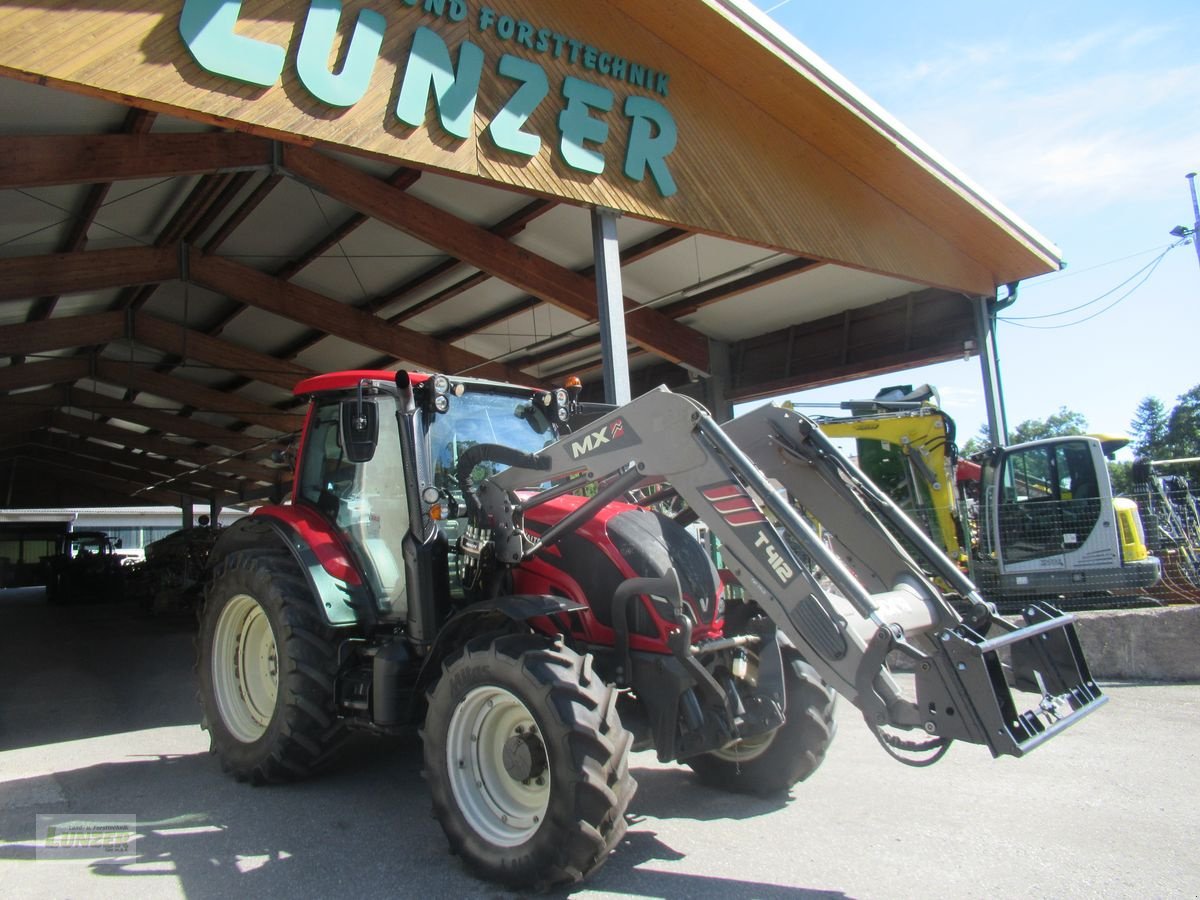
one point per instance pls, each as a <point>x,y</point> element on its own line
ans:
<point>1048,131</point>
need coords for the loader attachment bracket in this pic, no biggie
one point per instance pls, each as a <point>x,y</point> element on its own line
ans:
<point>1044,659</point>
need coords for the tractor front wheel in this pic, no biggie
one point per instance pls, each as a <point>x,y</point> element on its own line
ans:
<point>266,667</point>
<point>772,763</point>
<point>527,761</point>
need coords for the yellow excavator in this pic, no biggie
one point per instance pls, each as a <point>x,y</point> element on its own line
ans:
<point>1029,521</point>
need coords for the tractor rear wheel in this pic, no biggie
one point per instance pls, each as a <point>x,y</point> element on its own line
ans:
<point>772,763</point>
<point>527,761</point>
<point>266,667</point>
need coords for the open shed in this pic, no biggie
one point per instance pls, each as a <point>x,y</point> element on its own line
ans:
<point>207,201</point>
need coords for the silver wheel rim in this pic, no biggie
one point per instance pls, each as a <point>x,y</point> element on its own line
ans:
<point>503,809</point>
<point>245,668</point>
<point>747,749</point>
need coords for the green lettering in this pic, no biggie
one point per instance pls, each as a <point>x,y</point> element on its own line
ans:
<point>647,151</point>
<point>618,68</point>
<point>578,126</point>
<point>661,83</point>
<point>506,127</point>
<point>207,27</point>
<point>543,40</point>
<point>437,7</point>
<point>604,64</point>
<point>559,40</point>
<point>589,57</point>
<point>487,16</point>
<point>637,75</point>
<point>576,46</point>
<point>429,69</point>
<point>348,86</point>
<point>458,10</point>
<point>505,26</point>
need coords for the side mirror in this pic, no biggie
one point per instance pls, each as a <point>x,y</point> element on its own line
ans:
<point>359,429</point>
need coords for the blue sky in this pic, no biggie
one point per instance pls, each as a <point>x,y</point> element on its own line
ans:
<point>1081,117</point>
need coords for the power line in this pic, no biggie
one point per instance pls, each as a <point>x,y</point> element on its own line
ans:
<point>1151,267</point>
<point>1062,312</point>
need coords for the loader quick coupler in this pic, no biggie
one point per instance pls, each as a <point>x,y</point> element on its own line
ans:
<point>967,690</point>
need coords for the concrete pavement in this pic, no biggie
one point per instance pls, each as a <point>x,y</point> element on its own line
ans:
<point>97,715</point>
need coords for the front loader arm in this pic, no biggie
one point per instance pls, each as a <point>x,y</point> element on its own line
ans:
<point>845,605</point>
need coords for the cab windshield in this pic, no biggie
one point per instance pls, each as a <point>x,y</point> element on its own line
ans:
<point>485,417</point>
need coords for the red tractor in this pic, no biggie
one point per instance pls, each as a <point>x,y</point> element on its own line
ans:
<point>456,557</point>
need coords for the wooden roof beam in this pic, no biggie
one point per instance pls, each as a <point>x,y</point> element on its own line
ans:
<point>144,467</point>
<point>186,343</point>
<point>137,121</point>
<point>48,372</point>
<point>508,228</point>
<point>62,333</point>
<point>666,238</point>
<point>43,160</point>
<point>142,379</point>
<point>22,277</point>
<point>687,305</point>
<point>210,459</point>
<point>67,468</point>
<point>323,313</point>
<point>480,248</point>
<point>118,408</point>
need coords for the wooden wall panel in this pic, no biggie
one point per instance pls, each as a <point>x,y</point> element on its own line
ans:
<point>741,172</point>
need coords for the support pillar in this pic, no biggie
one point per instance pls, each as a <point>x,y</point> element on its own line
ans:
<point>610,303</point>
<point>989,364</point>
<point>717,384</point>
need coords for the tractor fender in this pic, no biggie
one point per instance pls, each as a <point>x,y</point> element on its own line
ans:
<point>333,580</point>
<point>491,615</point>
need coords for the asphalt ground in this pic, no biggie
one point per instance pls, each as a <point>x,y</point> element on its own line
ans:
<point>98,716</point>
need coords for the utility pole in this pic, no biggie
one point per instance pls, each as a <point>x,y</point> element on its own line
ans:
<point>1191,177</point>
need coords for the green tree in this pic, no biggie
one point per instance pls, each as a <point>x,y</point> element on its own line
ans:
<point>1149,427</point>
<point>1183,426</point>
<point>1063,422</point>
<point>1182,438</point>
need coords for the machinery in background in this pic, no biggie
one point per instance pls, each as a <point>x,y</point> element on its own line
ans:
<point>1030,521</point>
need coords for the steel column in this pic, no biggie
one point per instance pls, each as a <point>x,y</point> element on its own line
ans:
<point>610,303</point>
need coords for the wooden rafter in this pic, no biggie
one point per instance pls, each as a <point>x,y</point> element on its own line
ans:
<point>186,343</point>
<point>22,277</point>
<point>43,160</point>
<point>480,248</point>
<point>137,121</point>
<point>142,468</point>
<point>260,193</point>
<point>326,314</point>
<point>508,228</point>
<point>47,372</point>
<point>119,408</point>
<point>142,379</point>
<point>174,450</point>
<point>666,238</point>
<point>67,468</point>
<point>61,333</point>
<point>682,307</point>
<point>687,305</point>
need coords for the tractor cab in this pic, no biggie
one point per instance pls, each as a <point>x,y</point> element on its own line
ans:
<point>357,474</point>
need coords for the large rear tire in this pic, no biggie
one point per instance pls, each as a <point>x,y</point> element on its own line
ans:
<point>266,668</point>
<point>527,761</point>
<point>772,763</point>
